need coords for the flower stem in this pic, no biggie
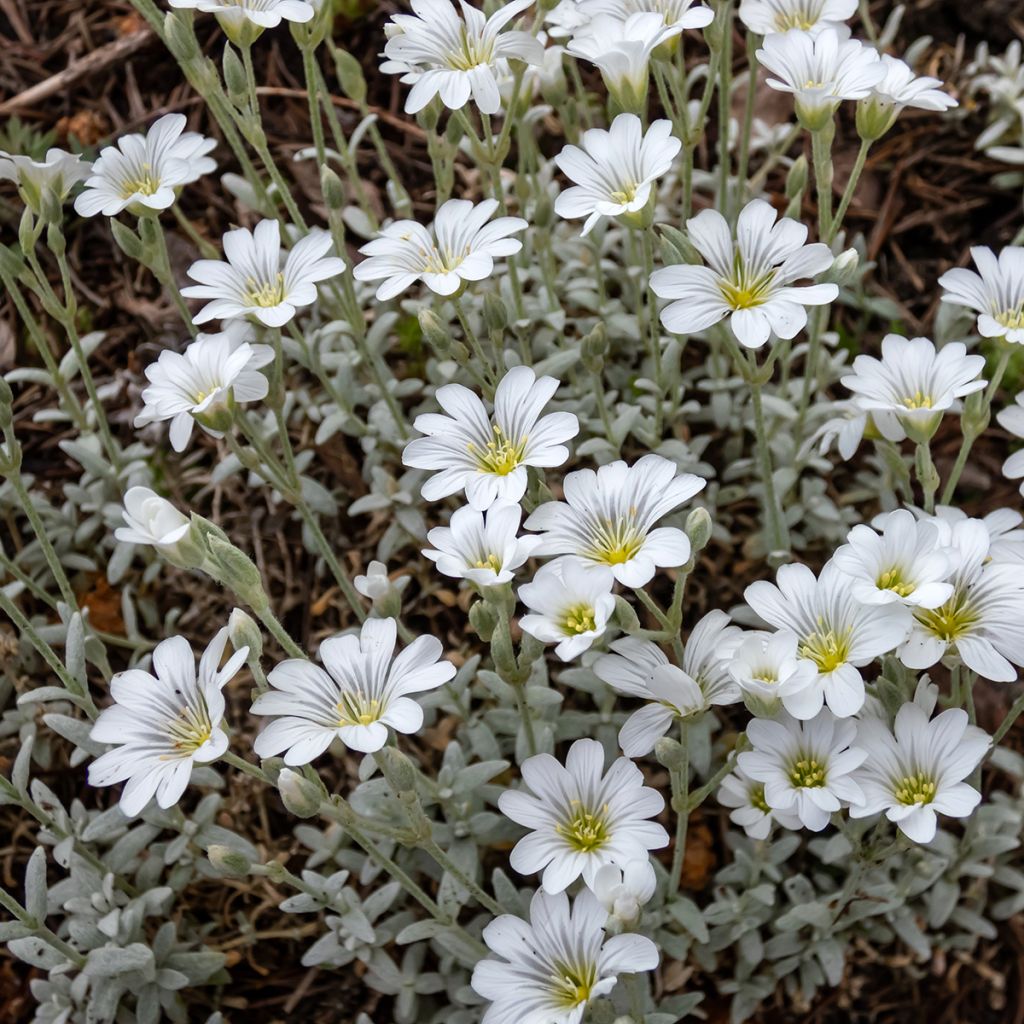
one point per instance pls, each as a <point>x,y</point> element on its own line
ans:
<point>654,335</point>
<point>851,187</point>
<point>680,778</point>
<point>821,151</point>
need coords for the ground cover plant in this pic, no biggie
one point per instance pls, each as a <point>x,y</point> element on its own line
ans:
<point>510,513</point>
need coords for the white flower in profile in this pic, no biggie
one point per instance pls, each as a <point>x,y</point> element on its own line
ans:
<point>164,722</point>
<point>807,768</point>
<point>995,292</point>
<point>638,668</point>
<point>252,283</point>
<point>361,691</point>
<point>749,279</point>
<point>913,384</point>
<point>581,817</point>
<point>203,383</point>
<point>624,891</point>
<point>608,517</point>
<point>768,669</point>
<point>982,623</point>
<point>917,770</point>
<point>145,172</point>
<point>375,583</point>
<point>614,171</point>
<point>55,175</point>
<point>845,429</point>
<point>673,12</point>
<point>621,50</point>
<point>749,810</point>
<point>459,246</point>
<point>552,966</point>
<point>1011,419</point>
<point>1003,525</point>
<point>235,16</point>
<point>487,456</point>
<point>570,606</point>
<point>898,89</point>
<point>767,17</point>
<point>481,547</point>
<point>835,632</point>
<point>820,70</point>
<point>153,520</point>
<point>458,59</point>
<point>906,563</point>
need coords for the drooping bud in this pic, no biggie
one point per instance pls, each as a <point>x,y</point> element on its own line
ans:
<point>299,795</point>
<point>228,861</point>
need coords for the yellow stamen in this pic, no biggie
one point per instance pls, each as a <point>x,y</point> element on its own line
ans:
<point>572,984</point>
<point>915,789</point>
<point>580,618</point>
<point>827,648</point>
<point>892,579</point>
<point>587,830</point>
<point>500,456</point>
<point>265,295</point>
<point>807,773</point>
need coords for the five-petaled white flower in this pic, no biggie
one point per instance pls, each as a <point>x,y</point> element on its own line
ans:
<point>622,51</point>
<point>252,283</point>
<point>459,246</point>
<point>201,384</point>
<point>750,280</point>
<point>749,810</point>
<point>570,606</point>
<point>768,668</point>
<point>806,767</point>
<point>1012,419</point>
<point>56,175</point>
<point>164,722</point>
<point>581,817</point>
<point>487,456</point>
<point>834,630</point>
<point>441,54</point>
<point>624,891</point>
<point>614,171</point>
<point>608,517</point>
<point>982,623</point>
<point>913,384</point>
<point>481,547</point>
<point>144,172</point>
<point>768,17</point>
<point>236,16</point>
<point>907,563</point>
<point>555,964</point>
<point>996,292</point>
<point>899,88</point>
<point>918,770</point>
<point>820,70</point>
<point>361,690</point>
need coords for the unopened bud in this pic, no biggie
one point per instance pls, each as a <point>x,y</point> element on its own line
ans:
<point>844,268</point>
<point>127,241</point>
<point>234,76</point>
<point>796,180</point>
<point>299,795</point>
<point>228,861</point>
<point>483,619</point>
<point>698,528</point>
<point>238,572</point>
<point>398,770</point>
<point>495,313</point>
<point>350,74</point>
<point>543,211</point>
<point>436,334</point>
<point>332,188</point>
<point>593,348</point>
<point>669,752</point>
<point>243,632</point>
<point>180,38</point>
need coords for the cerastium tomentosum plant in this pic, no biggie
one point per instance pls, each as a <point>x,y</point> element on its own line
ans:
<point>562,390</point>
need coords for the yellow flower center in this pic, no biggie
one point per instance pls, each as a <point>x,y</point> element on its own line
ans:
<point>743,290</point>
<point>892,579</point>
<point>764,675</point>
<point>915,789</point>
<point>919,400</point>
<point>572,985</point>
<point>623,195</point>
<point>266,295</point>
<point>472,53</point>
<point>490,562</point>
<point>586,830</point>
<point>807,773</point>
<point>580,618</point>
<point>802,18</point>
<point>355,709</point>
<point>827,649</point>
<point>756,797</point>
<point>1012,318</point>
<point>616,540</point>
<point>951,621</point>
<point>145,185</point>
<point>501,455</point>
<point>190,730</point>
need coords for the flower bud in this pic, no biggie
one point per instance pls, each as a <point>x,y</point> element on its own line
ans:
<point>238,571</point>
<point>483,619</point>
<point>228,862</point>
<point>669,752</point>
<point>299,795</point>
<point>398,770</point>
<point>127,241</point>
<point>495,313</point>
<point>243,632</point>
<point>332,188</point>
<point>350,74</point>
<point>844,268</point>
<point>435,332</point>
<point>180,38</point>
<point>698,528</point>
<point>234,76</point>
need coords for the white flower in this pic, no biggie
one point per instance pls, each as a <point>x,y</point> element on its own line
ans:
<point>917,770</point>
<point>571,606</point>
<point>360,691</point>
<point>996,292</point>
<point>614,170</point>
<point>983,622</point>
<point>164,722</point>
<point>252,283</point>
<point>820,70</point>
<point>1006,538</point>
<point>233,14</point>
<point>608,517</point>
<point>768,669</point>
<point>565,18</point>
<point>150,519</point>
<point>144,172</point>
<point>624,891</point>
<point>455,58</point>
<point>750,812</point>
<point>913,384</point>
<point>581,817</point>
<point>899,88</point>
<point>56,175</point>
<point>1012,419</point>
<point>750,280</point>
<point>766,17</point>
<point>376,583</point>
<point>835,632</point>
<point>907,564</point>
<point>806,767</point>
<point>203,383</point>
<point>554,965</point>
<point>459,246</point>
<point>639,668</point>
<point>673,12</point>
<point>481,547</point>
<point>487,456</point>
<point>622,50</point>
<point>845,429</point>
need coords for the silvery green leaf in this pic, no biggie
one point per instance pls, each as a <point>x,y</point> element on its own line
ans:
<point>36,952</point>
<point>830,955</point>
<point>419,931</point>
<point>35,884</point>
<point>11,930</point>
<point>76,730</point>
<point>686,912</point>
<point>454,942</point>
<point>22,766</point>
<point>110,961</point>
